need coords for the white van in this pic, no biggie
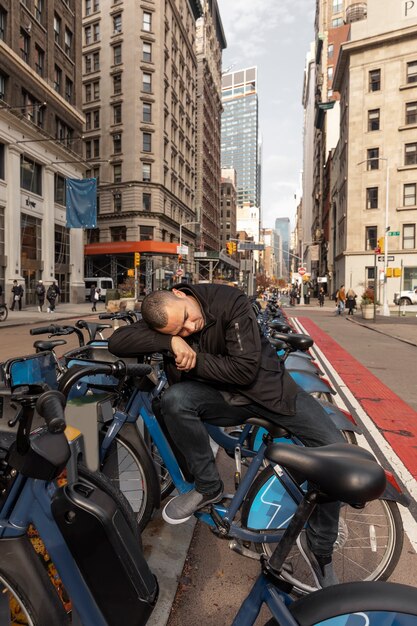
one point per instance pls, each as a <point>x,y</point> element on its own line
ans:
<point>102,282</point>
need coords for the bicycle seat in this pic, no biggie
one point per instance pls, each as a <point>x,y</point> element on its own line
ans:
<point>47,346</point>
<point>341,471</point>
<point>277,343</point>
<point>281,327</point>
<point>297,341</point>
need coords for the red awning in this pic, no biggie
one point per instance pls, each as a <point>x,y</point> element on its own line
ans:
<point>126,247</point>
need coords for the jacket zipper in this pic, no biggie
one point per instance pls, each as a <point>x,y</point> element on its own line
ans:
<point>238,336</point>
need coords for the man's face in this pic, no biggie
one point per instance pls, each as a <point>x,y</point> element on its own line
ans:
<point>184,316</point>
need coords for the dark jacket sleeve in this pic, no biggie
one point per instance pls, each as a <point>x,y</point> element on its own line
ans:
<point>137,339</point>
<point>240,360</point>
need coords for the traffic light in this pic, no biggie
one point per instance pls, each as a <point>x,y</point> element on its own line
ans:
<point>381,245</point>
<point>389,272</point>
<point>229,247</point>
<point>137,259</point>
<point>180,258</point>
<point>234,246</point>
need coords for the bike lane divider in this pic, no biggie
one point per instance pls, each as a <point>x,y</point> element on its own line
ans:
<point>395,419</point>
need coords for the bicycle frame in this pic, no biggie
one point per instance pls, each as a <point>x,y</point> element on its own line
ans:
<point>29,502</point>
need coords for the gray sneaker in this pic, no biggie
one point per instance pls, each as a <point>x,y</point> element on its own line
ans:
<point>182,507</point>
<point>321,566</point>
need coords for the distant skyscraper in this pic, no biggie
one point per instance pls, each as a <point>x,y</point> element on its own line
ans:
<point>282,226</point>
<point>239,133</point>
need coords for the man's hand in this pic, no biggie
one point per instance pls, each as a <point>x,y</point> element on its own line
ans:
<point>185,357</point>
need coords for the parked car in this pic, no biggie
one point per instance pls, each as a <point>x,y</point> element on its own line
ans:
<point>406,298</point>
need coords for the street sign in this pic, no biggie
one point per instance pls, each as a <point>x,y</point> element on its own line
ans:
<point>302,271</point>
<point>179,272</point>
<point>182,250</point>
<point>394,233</point>
<point>390,257</point>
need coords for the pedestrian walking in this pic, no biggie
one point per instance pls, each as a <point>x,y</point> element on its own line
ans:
<point>95,297</point>
<point>17,295</point>
<point>320,297</point>
<point>351,301</point>
<point>51,295</point>
<point>341,300</point>
<point>40,294</point>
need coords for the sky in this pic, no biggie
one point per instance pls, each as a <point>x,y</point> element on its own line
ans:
<point>274,35</point>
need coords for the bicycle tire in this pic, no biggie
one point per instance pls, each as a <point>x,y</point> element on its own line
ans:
<point>132,472</point>
<point>368,547</point>
<point>4,312</point>
<point>32,598</point>
<point>376,603</point>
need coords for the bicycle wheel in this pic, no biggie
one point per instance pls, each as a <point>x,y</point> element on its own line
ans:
<point>132,472</point>
<point>368,546</point>
<point>4,312</point>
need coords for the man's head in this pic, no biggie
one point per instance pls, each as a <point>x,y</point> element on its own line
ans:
<point>15,282</point>
<point>40,282</point>
<point>172,313</point>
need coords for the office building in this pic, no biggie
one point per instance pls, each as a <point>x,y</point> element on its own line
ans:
<point>40,145</point>
<point>282,227</point>
<point>240,133</point>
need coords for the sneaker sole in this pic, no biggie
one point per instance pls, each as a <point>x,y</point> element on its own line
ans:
<point>307,560</point>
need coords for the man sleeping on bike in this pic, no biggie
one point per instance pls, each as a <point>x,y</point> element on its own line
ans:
<point>223,366</point>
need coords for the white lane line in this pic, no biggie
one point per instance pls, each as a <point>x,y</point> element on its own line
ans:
<point>408,480</point>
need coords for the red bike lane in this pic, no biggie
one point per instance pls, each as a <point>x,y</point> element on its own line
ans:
<point>394,418</point>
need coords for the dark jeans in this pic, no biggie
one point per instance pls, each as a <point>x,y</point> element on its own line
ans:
<point>185,405</point>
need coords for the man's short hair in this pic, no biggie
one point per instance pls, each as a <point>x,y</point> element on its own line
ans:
<point>155,308</point>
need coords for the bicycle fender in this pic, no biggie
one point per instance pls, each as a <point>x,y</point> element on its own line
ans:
<point>311,383</point>
<point>391,493</point>
<point>340,420</point>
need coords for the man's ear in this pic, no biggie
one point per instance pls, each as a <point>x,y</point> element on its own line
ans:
<point>179,294</point>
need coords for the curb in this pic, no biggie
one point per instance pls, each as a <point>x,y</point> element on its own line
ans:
<point>381,332</point>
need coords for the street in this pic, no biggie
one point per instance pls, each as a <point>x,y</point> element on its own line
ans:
<point>373,373</point>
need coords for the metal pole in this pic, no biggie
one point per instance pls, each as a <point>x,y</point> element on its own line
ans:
<point>136,282</point>
<point>385,307</point>
<point>375,287</point>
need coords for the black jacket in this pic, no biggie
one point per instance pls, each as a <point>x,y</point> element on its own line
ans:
<point>232,354</point>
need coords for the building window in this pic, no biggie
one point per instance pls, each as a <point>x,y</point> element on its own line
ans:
<point>2,86</point>
<point>409,194</point>
<point>24,43</point>
<point>337,6</point>
<point>96,61</point>
<point>371,237</point>
<point>57,78</point>
<point>147,52</point>
<point>39,60</point>
<point>411,113</point>
<point>117,202</point>
<point>96,90</point>
<point>92,149</point>
<point>374,80</point>
<point>88,92</point>
<point>145,233</point>
<point>412,72</point>
<point>87,8</point>
<point>117,114</point>
<point>337,21</point>
<point>88,64</point>
<point>69,89</point>
<point>117,173</point>
<point>117,143</point>
<point>147,82</point>
<point>59,190</point>
<point>373,119</point>
<point>330,73</point>
<point>96,32</point>
<point>147,142</point>
<point>3,20</point>
<point>68,42</point>
<point>147,112</point>
<point>410,154</point>
<point>87,35</point>
<point>409,236</point>
<point>63,132</point>
<point>146,172</point>
<point>57,29</point>
<point>372,159</point>
<point>146,201</point>
<point>118,233</point>
<point>30,175</point>
<point>372,197</point>
<point>330,51</point>
<point>38,7</point>
<point>117,55</point>
<point>2,161</point>
<point>117,24</point>
<point>62,245</point>
<point>147,22</point>
<point>117,84</point>
<point>31,237</point>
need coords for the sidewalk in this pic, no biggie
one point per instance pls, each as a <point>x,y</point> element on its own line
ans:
<point>31,315</point>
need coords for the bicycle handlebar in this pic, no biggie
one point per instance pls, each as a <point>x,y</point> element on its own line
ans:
<point>54,329</point>
<point>44,330</point>
<point>50,405</point>
<point>118,369</point>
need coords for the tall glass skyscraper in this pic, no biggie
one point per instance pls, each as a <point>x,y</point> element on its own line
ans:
<point>239,133</point>
<point>282,226</point>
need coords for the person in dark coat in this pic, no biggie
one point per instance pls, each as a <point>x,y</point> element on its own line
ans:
<point>40,294</point>
<point>17,297</point>
<point>351,301</point>
<point>218,363</point>
<point>51,295</point>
